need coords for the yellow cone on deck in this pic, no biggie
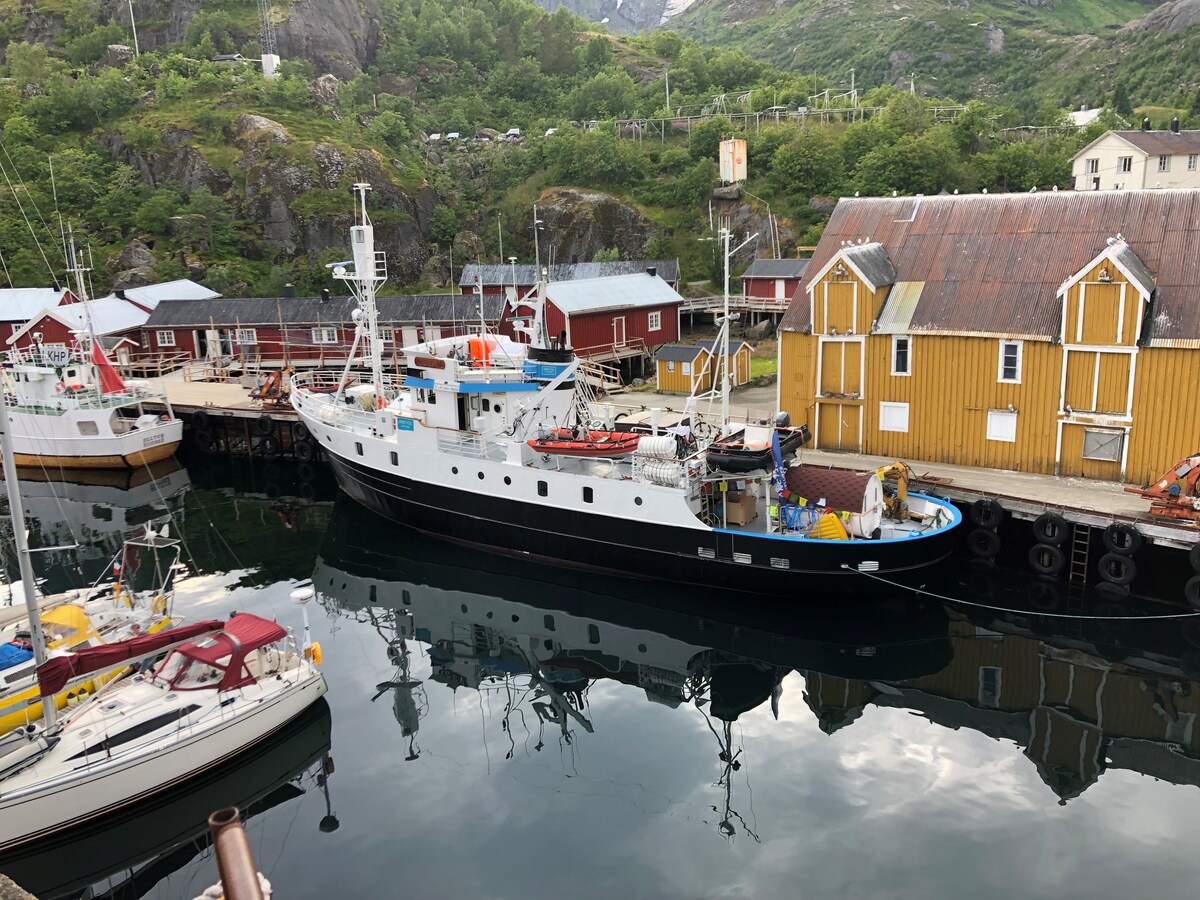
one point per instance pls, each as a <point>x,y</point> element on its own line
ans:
<point>830,528</point>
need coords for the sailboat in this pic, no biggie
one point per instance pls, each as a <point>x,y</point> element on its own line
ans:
<point>102,615</point>
<point>447,451</point>
<point>222,688</point>
<point>69,408</point>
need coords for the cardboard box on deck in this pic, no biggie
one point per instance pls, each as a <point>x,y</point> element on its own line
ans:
<point>741,509</point>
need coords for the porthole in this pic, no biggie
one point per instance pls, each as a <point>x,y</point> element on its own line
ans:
<point>516,618</point>
<point>637,501</point>
<point>641,648</point>
<point>507,480</point>
<point>490,614</point>
<point>463,607</point>
<point>480,476</point>
<point>454,470</point>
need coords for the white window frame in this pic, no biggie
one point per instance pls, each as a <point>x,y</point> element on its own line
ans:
<point>1002,425</point>
<point>893,412</point>
<point>326,334</point>
<point>670,365</point>
<point>17,326</point>
<point>687,368</point>
<point>387,334</point>
<point>165,338</point>
<point>1020,345</point>
<point>1192,159</point>
<point>1164,163</point>
<point>1093,165</point>
<point>654,321</point>
<point>1119,451</point>
<point>991,700</point>
<point>1124,164</point>
<point>896,339</point>
<point>246,336</point>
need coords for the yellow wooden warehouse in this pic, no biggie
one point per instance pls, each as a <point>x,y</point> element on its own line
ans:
<point>1049,332</point>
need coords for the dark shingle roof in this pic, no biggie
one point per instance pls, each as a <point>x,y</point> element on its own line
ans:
<point>1163,143</point>
<point>994,263</point>
<point>678,352</point>
<point>488,274</point>
<point>250,311</point>
<point>776,268</point>
<point>711,345</point>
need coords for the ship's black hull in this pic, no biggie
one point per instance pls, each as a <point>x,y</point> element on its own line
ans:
<point>709,559</point>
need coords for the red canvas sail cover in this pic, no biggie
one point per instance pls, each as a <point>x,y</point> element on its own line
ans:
<point>228,649</point>
<point>110,381</point>
<point>54,674</point>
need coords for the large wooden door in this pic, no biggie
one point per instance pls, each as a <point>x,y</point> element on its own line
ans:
<point>841,368</point>
<point>838,426</point>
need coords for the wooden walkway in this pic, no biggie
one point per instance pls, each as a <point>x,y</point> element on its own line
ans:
<point>216,398</point>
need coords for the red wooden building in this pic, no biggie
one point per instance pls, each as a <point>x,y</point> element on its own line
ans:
<point>272,332</point>
<point>19,305</point>
<point>773,279</point>
<point>616,318</point>
<point>515,280</point>
<point>114,320</point>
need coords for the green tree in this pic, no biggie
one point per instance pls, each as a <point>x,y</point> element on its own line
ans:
<point>611,254</point>
<point>811,163</point>
<point>1120,100</point>
<point>597,54</point>
<point>155,213</point>
<point>443,225</point>
<point>707,136</point>
<point>30,63</point>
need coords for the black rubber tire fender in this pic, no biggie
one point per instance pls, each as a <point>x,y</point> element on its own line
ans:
<point>987,513</point>
<point>1046,559</point>
<point>1045,594</point>
<point>265,426</point>
<point>1122,538</point>
<point>300,432</point>
<point>1118,569</point>
<point>1050,528</point>
<point>983,543</point>
<point>305,472</point>
<point>201,421</point>
<point>304,451</point>
<point>1194,557</point>
<point>269,445</point>
<point>203,438</point>
<point>1191,591</point>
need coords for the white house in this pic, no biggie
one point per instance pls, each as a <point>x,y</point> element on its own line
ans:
<point>1129,160</point>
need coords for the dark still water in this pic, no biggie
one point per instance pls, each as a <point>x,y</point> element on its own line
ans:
<point>501,729</point>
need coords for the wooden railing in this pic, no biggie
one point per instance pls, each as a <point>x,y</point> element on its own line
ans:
<point>154,365</point>
<point>634,346</point>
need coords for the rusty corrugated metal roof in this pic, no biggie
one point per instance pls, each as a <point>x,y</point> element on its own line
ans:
<point>993,263</point>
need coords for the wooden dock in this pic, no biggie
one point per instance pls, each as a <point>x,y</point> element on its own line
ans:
<point>217,398</point>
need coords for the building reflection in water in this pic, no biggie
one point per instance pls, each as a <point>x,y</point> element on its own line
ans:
<point>1077,696</point>
<point>535,640</point>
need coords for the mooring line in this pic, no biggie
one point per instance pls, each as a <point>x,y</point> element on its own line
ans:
<point>1027,612</point>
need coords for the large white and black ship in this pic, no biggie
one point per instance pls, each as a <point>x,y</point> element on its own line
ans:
<point>495,442</point>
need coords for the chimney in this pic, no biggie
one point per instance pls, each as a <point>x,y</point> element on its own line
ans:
<point>1175,125</point>
<point>324,295</point>
<point>289,290</point>
<point>1146,124</point>
<point>651,271</point>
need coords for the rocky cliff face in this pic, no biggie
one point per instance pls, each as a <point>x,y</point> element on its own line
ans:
<point>336,36</point>
<point>580,223</point>
<point>290,190</point>
<point>1174,15</point>
<point>620,15</point>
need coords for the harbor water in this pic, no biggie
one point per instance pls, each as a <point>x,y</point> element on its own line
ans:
<point>498,728</point>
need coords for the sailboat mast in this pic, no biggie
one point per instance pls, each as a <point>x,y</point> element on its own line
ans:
<point>17,511</point>
<point>724,367</point>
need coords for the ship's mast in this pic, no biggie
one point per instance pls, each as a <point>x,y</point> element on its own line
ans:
<point>370,272</point>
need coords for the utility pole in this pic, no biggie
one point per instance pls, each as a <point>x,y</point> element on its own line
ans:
<point>500,234</point>
<point>133,25</point>
<point>667,76</point>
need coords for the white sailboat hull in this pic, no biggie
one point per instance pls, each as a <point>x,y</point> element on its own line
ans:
<point>56,440</point>
<point>35,804</point>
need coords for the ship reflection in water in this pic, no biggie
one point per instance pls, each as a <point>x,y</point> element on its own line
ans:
<point>1077,697</point>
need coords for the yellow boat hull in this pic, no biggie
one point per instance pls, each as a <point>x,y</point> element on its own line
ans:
<point>128,461</point>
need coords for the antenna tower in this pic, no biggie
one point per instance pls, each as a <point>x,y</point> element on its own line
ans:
<point>267,28</point>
